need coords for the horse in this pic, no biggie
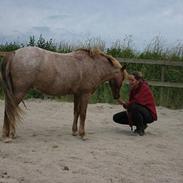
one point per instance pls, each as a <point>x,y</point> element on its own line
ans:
<point>78,73</point>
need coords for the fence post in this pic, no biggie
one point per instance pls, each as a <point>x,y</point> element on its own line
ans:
<point>162,80</point>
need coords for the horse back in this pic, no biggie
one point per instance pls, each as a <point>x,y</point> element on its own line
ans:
<point>52,73</point>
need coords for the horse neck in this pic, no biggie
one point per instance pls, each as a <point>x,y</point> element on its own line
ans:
<point>106,73</point>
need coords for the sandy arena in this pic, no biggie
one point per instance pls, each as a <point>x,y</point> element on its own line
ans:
<point>46,152</point>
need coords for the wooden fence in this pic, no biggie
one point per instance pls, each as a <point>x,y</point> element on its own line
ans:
<point>163,65</point>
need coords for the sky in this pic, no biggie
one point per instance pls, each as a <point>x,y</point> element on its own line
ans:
<point>80,20</point>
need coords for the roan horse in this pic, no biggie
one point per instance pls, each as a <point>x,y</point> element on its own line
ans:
<point>78,73</point>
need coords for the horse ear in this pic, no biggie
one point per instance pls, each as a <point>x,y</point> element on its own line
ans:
<point>110,60</point>
<point>124,71</point>
<point>123,68</point>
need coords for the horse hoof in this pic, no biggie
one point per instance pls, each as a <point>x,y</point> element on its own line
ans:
<point>7,140</point>
<point>84,138</point>
<point>14,136</point>
<point>74,133</point>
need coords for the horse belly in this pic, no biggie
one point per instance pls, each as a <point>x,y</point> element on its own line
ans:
<point>58,86</point>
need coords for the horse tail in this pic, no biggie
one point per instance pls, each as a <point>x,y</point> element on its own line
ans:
<point>12,110</point>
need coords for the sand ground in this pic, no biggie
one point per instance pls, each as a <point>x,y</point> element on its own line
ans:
<point>46,152</point>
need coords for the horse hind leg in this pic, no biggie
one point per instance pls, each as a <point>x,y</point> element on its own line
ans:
<point>8,129</point>
<point>76,115</point>
<point>11,114</point>
<point>9,122</point>
<point>9,117</point>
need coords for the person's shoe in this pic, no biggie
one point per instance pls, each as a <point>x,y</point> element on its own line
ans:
<point>141,132</point>
<point>140,129</point>
<point>145,126</point>
<point>136,130</point>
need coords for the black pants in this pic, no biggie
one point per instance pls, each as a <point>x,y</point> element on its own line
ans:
<point>139,116</point>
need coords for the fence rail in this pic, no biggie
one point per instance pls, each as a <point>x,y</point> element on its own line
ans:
<point>163,64</point>
<point>151,62</point>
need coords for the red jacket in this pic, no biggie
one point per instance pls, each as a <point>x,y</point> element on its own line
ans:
<point>142,95</point>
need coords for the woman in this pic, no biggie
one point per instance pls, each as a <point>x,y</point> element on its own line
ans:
<point>140,109</point>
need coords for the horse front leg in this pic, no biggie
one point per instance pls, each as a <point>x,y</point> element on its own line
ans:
<point>11,114</point>
<point>83,107</point>
<point>76,115</point>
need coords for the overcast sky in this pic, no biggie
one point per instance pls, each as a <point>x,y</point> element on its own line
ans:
<point>109,20</point>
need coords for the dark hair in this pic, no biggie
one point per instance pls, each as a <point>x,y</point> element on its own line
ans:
<point>138,75</point>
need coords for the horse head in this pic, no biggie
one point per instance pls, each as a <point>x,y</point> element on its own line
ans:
<point>117,82</point>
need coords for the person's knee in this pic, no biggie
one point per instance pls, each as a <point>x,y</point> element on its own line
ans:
<point>133,107</point>
<point>115,117</point>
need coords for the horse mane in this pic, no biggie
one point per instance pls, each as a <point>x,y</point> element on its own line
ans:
<point>93,52</point>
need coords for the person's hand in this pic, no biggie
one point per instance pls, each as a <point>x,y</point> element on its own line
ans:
<point>120,101</point>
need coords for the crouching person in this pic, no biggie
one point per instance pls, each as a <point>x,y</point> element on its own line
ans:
<point>141,108</point>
